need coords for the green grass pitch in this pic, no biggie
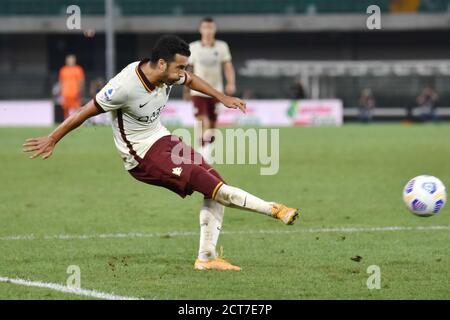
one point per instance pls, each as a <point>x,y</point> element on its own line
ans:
<point>339,178</point>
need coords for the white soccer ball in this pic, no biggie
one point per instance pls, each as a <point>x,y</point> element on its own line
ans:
<point>424,195</point>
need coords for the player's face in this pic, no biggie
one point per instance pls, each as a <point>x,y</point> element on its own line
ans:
<point>71,60</point>
<point>208,29</point>
<point>175,69</point>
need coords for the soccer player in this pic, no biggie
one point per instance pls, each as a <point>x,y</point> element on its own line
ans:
<point>135,98</point>
<point>210,59</point>
<point>71,82</point>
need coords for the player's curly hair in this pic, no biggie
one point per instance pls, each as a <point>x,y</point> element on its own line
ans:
<point>167,46</point>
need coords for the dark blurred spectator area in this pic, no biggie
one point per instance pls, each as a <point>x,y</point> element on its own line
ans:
<point>29,62</point>
<point>191,7</point>
<point>30,59</point>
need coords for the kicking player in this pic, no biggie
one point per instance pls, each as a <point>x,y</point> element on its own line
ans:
<point>210,59</point>
<point>135,97</point>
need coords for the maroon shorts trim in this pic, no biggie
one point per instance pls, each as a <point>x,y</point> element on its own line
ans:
<point>158,168</point>
<point>205,106</point>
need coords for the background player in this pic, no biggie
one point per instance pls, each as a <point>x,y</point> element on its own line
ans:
<point>71,83</point>
<point>135,97</point>
<point>210,59</point>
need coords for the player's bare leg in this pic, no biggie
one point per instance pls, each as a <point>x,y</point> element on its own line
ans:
<point>208,140</point>
<point>204,144</point>
<point>200,126</point>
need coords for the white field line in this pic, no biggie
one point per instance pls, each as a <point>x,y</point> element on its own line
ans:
<point>236,232</point>
<point>65,289</point>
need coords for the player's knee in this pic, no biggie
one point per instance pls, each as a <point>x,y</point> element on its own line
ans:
<point>204,121</point>
<point>230,196</point>
<point>227,195</point>
<point>214,206</point>
<point>202,181</point>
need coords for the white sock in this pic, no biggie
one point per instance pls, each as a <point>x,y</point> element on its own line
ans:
<point>211,218</point>
<point>234,197</point>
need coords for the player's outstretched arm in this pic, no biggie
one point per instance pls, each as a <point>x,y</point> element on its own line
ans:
<point>43,146</point>
<point>230,76</point>
<point>198,84</point>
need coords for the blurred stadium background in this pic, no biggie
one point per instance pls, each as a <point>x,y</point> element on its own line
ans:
<point>324,44</point>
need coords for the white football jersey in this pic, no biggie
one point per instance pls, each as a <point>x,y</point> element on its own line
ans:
<point>135,104</point>
<point>208,63</point>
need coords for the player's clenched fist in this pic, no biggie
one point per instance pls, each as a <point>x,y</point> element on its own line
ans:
<point>43,145</point>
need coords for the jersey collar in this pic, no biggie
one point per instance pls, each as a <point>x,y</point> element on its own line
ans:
<point>211,46</point>
<point>145,82</point>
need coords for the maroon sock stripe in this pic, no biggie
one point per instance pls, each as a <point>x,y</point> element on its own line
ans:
<point>124,137</point>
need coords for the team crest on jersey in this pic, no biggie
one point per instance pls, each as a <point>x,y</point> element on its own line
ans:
<point>109,92</point>
<point>177,171</point>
